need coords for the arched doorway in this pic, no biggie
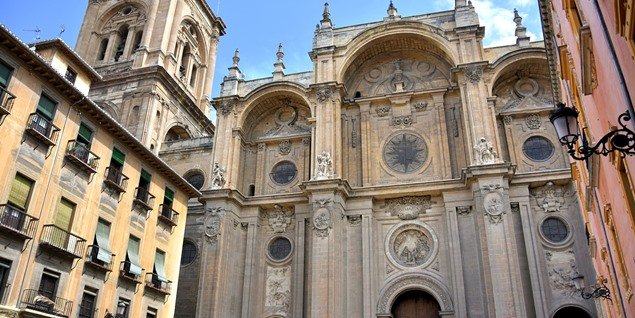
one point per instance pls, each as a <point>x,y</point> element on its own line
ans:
<point>571,312</point>
<point>415,304</point>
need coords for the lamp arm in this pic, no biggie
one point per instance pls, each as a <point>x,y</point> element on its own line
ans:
<point>622,140</point>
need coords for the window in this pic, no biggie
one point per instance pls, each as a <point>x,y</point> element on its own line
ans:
<point>189,253</point>
<point>137,40</point>
<point>102,49</point>
<point>84,135</point>
<point>405,153</point>
<point>121,46</point>
<point>81,148</point>
<point>159,279</point>
<point>64,216</point>
<point>575,17</point>
<point>554,230</point>
<point>14,213</point>
<point>168,198</point>
<point>283,172</point>
<point>628,187</point>
<point>152,313</point>
<point>132,267</point>
<point>48,284</point>
<point>114,173</point>
<point>101,253</point>
<point>87,306</point>
<point>5,269</point>
<point>538,148</point>
<point>123,305</point>
<point>46,107</point>
<point>196,179</point>
<point>5,74</point>
<point>70,75</point>
<point>143,193</point>
<point>279,248</point>
<point>193,76</point>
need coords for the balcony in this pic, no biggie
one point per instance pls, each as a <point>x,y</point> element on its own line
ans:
<point>42,129</point>
<point>143,199</point>
<point>115,179</point>
<point>158,284</point>
<point>32,299</point>
<point>16,222</point>
<point>93,260</point>
<point>79,154</point>
<point>62,242</point>
<point>6,101</point>
<point>167,215</point>
<point>125,273</point>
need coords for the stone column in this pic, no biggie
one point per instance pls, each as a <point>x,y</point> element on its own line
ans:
<point>327,136</point>
<point>249,274</point>
<point>444,146</point>
<point>364,133</point>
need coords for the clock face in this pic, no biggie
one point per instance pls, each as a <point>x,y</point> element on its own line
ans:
<point>405,153</point>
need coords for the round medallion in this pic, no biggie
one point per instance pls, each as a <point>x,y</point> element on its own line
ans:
<point>538,148</point>
<point>554,230</point>
<point>279,248</point>
<point>283,172</point>
<point>286,115</point>
<point>411,245</point>
<point>405,153</point>
<point>525,87</point>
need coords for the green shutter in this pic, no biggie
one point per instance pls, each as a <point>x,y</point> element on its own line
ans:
<point>20,190</point>
<point>5,73</point>
<point>159,266</point>
<point>145,176</point>
<point>102,236</point>
<point>46,107</point>
<point>64,215</point>
<point>169,195</point>
<point>118,156</point>
<point>85,135</point>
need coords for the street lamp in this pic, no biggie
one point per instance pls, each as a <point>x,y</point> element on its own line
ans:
<point>565,120</point>
<point>598,291</point>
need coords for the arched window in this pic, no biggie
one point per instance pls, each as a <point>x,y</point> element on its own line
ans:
<point>176,133</point>
<point>137,40</point>
<point>102,49</point>
<point>122,36</point>
<point>193,75</point>
<point>185,59</point>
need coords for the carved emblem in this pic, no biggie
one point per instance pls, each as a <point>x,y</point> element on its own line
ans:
<point>213,223</point>
<point>463,210</point>
<point>284,148</point>
<point>411,245</point>
<point>382,111</point>
<point>550,197</point>
<point>484,152</point>
<point>473,73</point>
<point>494,208</point>
<point>402,121</point>
<point>278,294</point>
<point>218,177</point>
<point>507,120</point>
<point>279,218</point>
<point>421,106</point>
<point>262,146</point>
<point>354,219</point>
<point>515,207</point>
<point>324,169</point>
<point>323,94</point>
<point>533,121</point>
<point>562,269</point>
<point>226,107</point>
<point>322,220</point>
<point>408,208</point>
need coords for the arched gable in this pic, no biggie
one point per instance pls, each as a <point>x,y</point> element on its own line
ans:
<point>413,281</point>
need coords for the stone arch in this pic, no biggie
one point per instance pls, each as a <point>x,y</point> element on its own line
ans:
<point>195,33</point>
<point>432,37</point>
<point>177,132</point>
<point>567,310</point>
<point>413,281</point>
<point>113,17</point>
<point>253,105</point>
<point>502,65</point>
<point>110,109</point>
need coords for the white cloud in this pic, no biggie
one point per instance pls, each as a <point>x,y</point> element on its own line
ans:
<point>498,22</point>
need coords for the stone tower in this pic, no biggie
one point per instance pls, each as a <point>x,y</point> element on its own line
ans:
<point>157,61</point>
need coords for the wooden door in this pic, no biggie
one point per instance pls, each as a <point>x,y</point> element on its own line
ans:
<point>415,304</point>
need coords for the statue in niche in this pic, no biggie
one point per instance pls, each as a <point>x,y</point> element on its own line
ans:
<point>484,152</point>
<point>324,167</point>
<point>218,177</point>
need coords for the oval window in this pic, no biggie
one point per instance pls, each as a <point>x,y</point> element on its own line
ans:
<point>283,172</point>
<point>538,148</point>
<point>554,230</point>
<point>279,248</point>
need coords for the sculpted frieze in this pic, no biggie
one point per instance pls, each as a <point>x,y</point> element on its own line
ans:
<point>408,208</point>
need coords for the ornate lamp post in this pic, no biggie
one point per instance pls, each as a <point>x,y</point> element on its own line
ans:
<point>565,120</point>
<point>597,291</point>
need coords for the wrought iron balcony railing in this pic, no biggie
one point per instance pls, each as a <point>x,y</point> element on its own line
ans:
<point>115,179</point>
<point>6,101</point>
<point>82,156</point>
<point>17,222</point>
<point>144,198</point>
<point>42,129</point>
<point>158,283</point>
<point>93,259</point>
<point>63,242</point>
<point>125,272</point>
<point>57,306</point>
<point>167,215</point>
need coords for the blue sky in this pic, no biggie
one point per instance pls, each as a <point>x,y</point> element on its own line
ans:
<point>256,27</point>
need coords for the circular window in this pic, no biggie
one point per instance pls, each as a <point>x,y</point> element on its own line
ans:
<point>538,148</point>
<point>405,153</point>
<point>554,230</point>
<point>196,179</point>
<point>279,248</point>
<point>283,172</point>
<point>189,253</point>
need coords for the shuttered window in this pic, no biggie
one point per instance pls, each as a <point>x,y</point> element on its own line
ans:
<point>85,135</point>
<point>168,197</point>
<point>5,74</point>
<point>102,237</point>
<point>46,107</point>
<point>133,256</point>
<point>159,266</point>
<point>64,216</point>
<point>146,176</point>
<point>118,157</point>
<point>20,191</point>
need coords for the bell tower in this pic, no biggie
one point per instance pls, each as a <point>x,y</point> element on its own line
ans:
<point>157,60</point>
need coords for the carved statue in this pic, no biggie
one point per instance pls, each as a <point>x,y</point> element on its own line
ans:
<point>324,167</point>
<point>484,152</point>
<point>218,177</point>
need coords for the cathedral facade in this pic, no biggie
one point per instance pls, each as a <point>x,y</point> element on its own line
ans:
<point>412,170</point>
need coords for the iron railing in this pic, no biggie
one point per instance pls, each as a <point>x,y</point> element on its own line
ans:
<point>33,299</point>
<point>144,198</point>
<point>116,179</point>
<point>168,215</point>
<point>62,241</point>
<point>6,101</point>
<point>92,259</point>
<point>16,221</point>
<point>124,271</point>
<point>42,128</point>
<point>158,283</point>
<point>81,154</point>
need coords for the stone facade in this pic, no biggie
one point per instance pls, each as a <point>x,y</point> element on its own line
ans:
<point>409,158</point>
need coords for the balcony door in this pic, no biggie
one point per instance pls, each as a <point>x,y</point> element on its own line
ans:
<point>416,304</point>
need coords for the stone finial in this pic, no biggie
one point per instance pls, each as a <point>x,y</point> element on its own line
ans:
<point>521,31</point>
<point>234,71</point>
<point>326,17</point>
<point>278,72</point>
<point>392,11</point>
<point>236,58</point>
<point>280,53</point>
<point>459,3</point>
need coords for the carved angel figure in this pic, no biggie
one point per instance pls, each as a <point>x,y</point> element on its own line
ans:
<point>218,176</point>
<point>325,166</point>
<point>484,152</point>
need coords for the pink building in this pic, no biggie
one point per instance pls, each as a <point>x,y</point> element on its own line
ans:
<point>591,48</point>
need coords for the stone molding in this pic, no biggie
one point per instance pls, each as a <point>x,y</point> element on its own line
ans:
<point>413,281</point>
